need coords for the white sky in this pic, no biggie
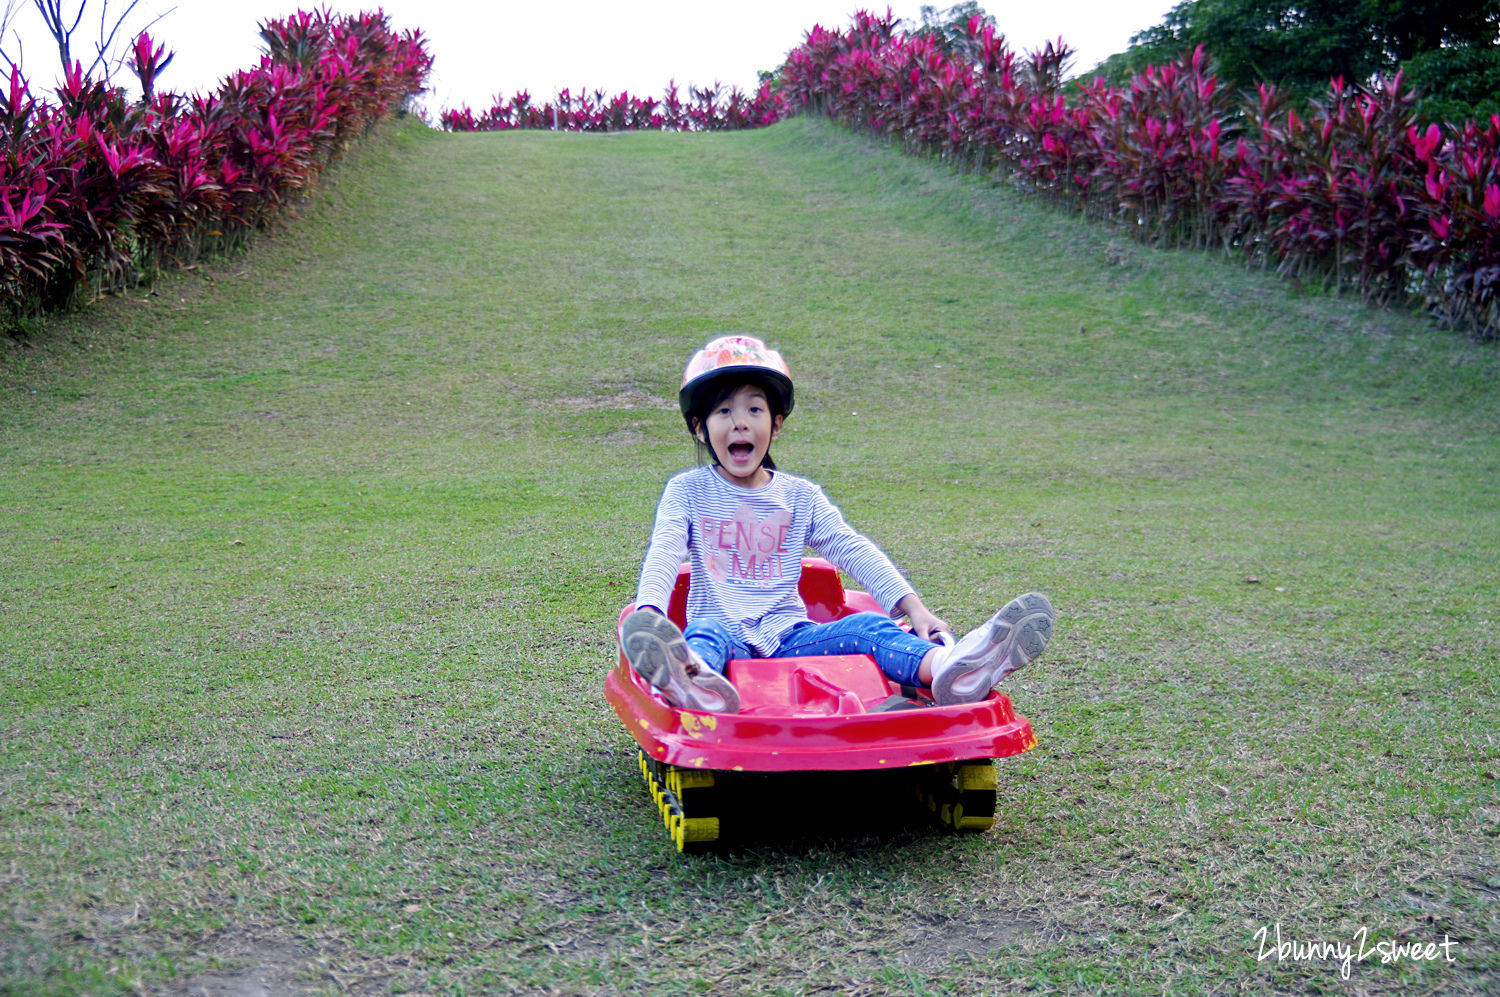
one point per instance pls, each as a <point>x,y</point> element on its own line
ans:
<point>487,48</point>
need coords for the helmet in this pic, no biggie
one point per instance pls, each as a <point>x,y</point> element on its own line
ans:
<point>734,357</point>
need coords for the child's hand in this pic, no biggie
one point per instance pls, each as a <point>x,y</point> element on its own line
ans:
<point>923,622</point>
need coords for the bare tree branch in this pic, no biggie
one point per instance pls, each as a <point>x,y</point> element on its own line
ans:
<point>106,42</point>
<point>51,11</point>
<point>55,18</point>
<point>119,60</point>
<point>8,15</point>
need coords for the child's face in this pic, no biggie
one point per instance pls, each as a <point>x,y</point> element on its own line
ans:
<point>741,429</point>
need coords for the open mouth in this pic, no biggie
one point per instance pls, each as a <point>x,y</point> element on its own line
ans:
<point>741,451</point>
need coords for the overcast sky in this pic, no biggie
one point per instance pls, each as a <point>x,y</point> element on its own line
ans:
<point>484,49</point>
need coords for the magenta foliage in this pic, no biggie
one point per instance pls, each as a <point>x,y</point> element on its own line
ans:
<point>1353,192</point>
<point>707,109</point>
<point>96,190</point>
<point>147,63</point>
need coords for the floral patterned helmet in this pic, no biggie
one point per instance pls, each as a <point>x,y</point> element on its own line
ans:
<point>734,357</point>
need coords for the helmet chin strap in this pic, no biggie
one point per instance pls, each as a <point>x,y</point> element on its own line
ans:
<point>703,439</point>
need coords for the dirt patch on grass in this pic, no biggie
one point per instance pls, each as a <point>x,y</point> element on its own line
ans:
<point>260,967</point>
<point>936,942</point>
<point>628,436</point>
<point>625,398</point>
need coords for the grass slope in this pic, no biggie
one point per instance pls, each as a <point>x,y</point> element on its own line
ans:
<point>309,567</point>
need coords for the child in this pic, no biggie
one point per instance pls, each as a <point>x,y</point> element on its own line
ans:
<point>743,524</point>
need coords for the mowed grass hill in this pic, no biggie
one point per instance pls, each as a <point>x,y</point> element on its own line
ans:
<point>310,563</point>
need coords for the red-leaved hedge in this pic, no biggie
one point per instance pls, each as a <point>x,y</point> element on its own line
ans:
<point>1354,193</point>
<point>707,109</point>
<point>97,190</point>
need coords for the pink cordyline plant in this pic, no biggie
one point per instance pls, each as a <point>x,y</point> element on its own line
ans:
<point>708,109</point>
<point>1354,193</point>
<point>96,190</point>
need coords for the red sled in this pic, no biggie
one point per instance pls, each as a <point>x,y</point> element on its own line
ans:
<point>813,714</point>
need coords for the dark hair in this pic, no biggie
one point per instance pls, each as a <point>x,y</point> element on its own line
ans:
<point>714,395</point>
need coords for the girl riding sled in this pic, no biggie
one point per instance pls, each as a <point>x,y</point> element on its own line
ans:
<point>743,525</point>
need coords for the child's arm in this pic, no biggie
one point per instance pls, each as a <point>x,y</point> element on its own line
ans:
<point>668,546</point>
<point>923,622</point>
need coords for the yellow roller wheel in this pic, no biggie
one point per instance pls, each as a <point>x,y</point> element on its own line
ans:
<point>976,785</point>
<point>683,781</point>
<point>961,821</point>
<point>961,795</point>
<point>686,800</point>
<point>695,833</point>
<point>972,777</point>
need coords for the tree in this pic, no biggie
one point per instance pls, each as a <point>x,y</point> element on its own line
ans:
<point>1456,82</point>
<point>1407,28</point>
<point>1300,45</point>
<point>950,28</point>
<point>62,23</point>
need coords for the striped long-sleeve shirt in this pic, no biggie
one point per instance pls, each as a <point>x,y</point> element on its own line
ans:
<point>745,548</point>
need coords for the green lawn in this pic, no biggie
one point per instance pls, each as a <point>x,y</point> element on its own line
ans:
<point>310,561</point>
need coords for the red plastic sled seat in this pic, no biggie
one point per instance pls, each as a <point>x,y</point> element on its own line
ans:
<point>810,714</point>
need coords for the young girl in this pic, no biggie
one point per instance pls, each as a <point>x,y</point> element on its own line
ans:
<point>743,525</point>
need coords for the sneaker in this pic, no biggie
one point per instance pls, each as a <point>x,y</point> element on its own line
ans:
<point>1010,640</point>
<point>658,652</point>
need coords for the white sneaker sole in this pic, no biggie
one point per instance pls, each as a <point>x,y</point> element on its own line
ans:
<point>655,648</point>
<point>1018,634</point>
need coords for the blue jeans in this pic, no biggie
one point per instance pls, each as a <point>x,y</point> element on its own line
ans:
<point>898,652</point>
